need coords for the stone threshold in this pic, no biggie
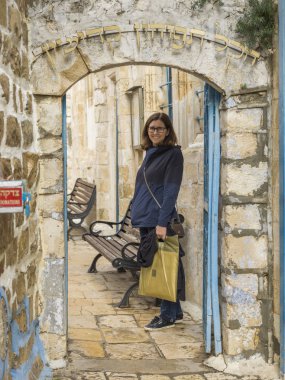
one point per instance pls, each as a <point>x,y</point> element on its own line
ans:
<point>144,366</point>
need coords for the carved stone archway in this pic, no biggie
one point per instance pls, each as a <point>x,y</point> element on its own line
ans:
<point>244,140</point>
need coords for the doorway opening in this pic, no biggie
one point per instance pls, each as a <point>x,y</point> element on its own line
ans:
<point>105,114</point>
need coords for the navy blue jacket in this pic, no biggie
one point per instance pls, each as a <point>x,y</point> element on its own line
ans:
<point>163,167</point>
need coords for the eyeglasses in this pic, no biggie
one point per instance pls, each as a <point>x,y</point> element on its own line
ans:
<point>157,129</point>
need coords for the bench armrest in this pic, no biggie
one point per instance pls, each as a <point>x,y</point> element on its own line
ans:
<point>110,224</point>
<point>124,256</point>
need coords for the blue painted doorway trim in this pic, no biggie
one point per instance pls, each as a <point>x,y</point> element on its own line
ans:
<point>211,308</point>
<point>281,11</point>
<point>64,145</point>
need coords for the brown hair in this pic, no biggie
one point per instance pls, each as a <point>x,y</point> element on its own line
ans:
<point>170,139</point>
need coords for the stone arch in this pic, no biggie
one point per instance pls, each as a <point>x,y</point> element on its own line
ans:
<point>55,71</point>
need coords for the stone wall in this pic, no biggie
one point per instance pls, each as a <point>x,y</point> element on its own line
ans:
<point>246,273</point>
<point>20,250</point>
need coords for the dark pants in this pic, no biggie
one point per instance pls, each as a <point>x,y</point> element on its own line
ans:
<point>169,310</point>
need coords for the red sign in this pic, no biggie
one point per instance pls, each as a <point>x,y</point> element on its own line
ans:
<point>11,196</point>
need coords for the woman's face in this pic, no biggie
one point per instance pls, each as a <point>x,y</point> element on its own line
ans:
<point>157,132</point>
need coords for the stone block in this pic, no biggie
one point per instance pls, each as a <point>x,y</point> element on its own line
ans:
<point>239,340</point>
<point>6,230</point>
<point>55,75</point>
<point>1,125</point>
<point>51,176</point>
<point>19,287</point>
<point>51,205</point>
<point>245,252</point>
<point>27,131</point>
<point>37,367</point>
<point>51,341</point>
<point>11,253</point>
<point>3,13</point>
<point>13,132</point>
<point>238,146</point>
<point>52,237</point>
<point>53,277</point>
<point>25,66</point>
<point>21,320</point>
<point>51,146</point>
<point>242,120</point>
<point>236,316</point>
<point>101,145</point>
<point>242,217</point>
<point>5,85</point>
<point>15,24</point>
<point>18,170</point>
<point>30,168</point>
<point>29,105</point>
<point>53,294</point>
<point>23,245</point>
<point>5,167</point>
<point>53,315</point>
<point>244,180</point>
<point>49,118</point>
<point>240,289</point>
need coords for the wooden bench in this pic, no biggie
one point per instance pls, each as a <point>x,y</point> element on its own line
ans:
<point>119,248</point>
<point>80,203</point>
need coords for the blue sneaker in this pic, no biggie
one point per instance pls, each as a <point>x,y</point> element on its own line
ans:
<point>158,324</point>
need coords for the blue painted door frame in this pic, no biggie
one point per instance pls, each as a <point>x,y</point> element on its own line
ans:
<point>211,309</point>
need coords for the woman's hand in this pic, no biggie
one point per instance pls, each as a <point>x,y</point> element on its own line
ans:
<point>160,232</point>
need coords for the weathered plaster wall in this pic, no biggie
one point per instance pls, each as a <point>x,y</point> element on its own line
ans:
<point>22,355</point>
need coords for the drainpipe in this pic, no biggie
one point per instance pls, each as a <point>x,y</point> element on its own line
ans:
<point>117,156</point>
<point>281,12</point>
<point>64,144</point>
<point>169,92</point>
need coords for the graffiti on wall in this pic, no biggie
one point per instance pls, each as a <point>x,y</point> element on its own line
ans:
<point>21,350</point>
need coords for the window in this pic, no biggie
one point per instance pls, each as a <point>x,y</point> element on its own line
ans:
<point>137,114</point>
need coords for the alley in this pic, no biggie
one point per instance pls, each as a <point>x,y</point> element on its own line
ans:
<point>106,342</point>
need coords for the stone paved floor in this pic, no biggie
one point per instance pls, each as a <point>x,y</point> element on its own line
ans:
<point>108,343</point>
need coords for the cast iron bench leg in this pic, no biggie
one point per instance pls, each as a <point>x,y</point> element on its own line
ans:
<point>93,268</point>
<point>125,300</point>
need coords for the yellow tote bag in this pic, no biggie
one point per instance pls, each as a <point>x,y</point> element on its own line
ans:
<point>160,279</point>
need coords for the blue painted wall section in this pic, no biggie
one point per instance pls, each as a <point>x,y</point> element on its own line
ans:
<point>28,357</point>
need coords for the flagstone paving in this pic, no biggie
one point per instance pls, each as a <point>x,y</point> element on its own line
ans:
<point>109,343</point>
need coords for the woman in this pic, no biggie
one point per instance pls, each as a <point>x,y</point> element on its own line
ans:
<point>157,186</point>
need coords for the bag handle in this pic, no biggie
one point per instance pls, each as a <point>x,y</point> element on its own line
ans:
<point>156,201</point>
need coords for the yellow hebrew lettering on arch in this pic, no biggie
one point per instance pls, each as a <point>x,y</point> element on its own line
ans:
<point>157,28</point>
<point>59,42</point>
<point>238,46</point>
<point>199,34</point>
<point>255,55</point>
<point>179,34</point>
<point>95,32</point>
<point>170,29</point>
<point>73,42</point>
<point>52,45</point>
<point>220,37</point>
<point>152,28</point>
<point>114,34</point>
<point>137,28</point>
<point>81,35</point>
<point>45,49</point>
